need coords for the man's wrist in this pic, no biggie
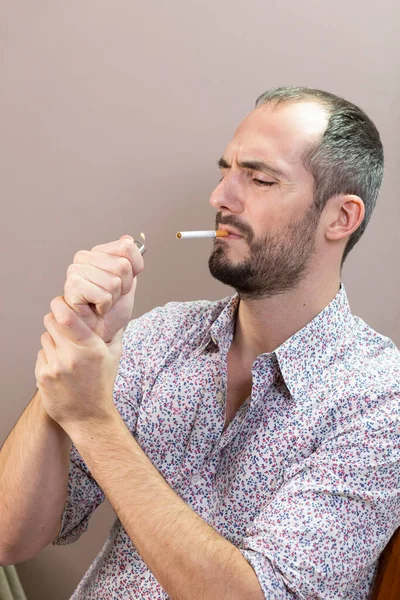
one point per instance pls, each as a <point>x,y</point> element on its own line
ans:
<point>86,429</point>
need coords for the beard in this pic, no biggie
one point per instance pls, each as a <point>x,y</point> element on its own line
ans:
<point>276,263</point>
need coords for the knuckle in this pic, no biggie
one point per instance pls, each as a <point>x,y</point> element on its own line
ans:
<point>108,300</point>
<point>67,285</point>
<point>126,245</point>
<point>54,303</point>
<point>66,321</point>
<point>74,275</point>
<point>124,267</point>
<point>71,269</point>
<point>78,256</point>
<point>70,285</point>
<point>57,370</point>
<point>67,291</point>
<point>116,285</point>
<point>72,364</point>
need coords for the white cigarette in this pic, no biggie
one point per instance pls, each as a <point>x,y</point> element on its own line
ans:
<point>201,234</point>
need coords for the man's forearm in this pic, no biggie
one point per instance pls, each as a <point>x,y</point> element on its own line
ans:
<point>34,466</point>
<point>188,558</point>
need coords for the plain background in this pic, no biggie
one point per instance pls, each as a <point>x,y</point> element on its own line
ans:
<point>113,115</point>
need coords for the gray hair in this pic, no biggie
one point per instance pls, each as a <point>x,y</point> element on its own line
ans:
<point>347,159</point>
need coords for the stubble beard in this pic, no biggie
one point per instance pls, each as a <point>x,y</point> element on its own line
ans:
<point>276,263</point>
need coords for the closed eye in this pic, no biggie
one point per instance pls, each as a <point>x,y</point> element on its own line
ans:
<point>261,182</point>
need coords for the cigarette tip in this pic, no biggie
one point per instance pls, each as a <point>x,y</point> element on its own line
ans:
<point>179,235</point>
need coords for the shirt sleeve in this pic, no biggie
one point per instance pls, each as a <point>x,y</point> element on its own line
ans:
<point>84,494</point>
<point>321,535</point>
<point>145,341</point>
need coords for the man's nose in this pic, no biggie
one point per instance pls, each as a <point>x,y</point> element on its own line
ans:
<point>227,196</point>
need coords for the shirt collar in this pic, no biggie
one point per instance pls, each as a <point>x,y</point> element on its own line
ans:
<point>310,351</point>
<point>222,330</point>
<point>312,348</point>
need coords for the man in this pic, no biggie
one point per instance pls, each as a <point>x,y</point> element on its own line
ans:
<point>250,447</point>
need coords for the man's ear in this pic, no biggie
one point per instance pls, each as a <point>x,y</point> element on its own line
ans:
<point>344,215</point>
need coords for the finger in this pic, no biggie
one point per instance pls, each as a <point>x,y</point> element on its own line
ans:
<point>49,347</point>
<point>68,324</point>
<point>79,292</point>
<point>116,265</point>
<point>41,367</point>
<point>81,278</point>
<point>124,247</point>
<point>54,330</point>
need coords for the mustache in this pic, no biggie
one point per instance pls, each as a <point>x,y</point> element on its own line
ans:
<point>243,228</point>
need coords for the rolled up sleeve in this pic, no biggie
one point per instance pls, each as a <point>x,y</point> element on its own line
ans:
<point>321,535</point>
<point>84,496</point>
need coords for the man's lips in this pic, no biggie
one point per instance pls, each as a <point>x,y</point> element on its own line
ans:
<point>231,231</point>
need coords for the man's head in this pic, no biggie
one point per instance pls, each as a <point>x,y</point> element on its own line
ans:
<point>299,181</point>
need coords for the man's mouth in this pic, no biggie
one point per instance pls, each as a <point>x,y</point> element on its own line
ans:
<point>232,232</point>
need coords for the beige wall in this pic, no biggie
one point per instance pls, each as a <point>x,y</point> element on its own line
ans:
<point>113,115</point>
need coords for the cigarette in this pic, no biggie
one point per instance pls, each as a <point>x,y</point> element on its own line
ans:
<point>201,234</point>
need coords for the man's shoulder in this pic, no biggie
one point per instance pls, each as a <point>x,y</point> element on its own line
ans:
<point>374,357</point>
<point>372,345</point>
<point>193,311</point>
<point>177,319</point>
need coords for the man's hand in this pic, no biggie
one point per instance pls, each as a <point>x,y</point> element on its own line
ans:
<point>75,371</point>
<point>101,284</point>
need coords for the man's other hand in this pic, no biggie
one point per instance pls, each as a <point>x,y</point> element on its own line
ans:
<point>101,284</point>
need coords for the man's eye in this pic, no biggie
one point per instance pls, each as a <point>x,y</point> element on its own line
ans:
<point>261,182</point>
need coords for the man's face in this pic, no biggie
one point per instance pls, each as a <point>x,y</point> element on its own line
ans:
<point>266,196</point>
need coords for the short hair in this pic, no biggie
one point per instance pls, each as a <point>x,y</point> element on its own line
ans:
<point>347,159</point>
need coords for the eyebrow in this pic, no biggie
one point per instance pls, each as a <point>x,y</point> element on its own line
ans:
<point>254,165</point>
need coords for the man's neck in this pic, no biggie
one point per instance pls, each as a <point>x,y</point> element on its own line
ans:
<point>262,325</point>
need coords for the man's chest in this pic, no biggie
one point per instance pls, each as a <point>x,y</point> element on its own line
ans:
<point>238,385</point>
<point>224,455</point>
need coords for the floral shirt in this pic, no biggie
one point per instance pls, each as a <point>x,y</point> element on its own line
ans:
<point>305,480</point>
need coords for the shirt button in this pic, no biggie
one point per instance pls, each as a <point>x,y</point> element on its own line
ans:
<point>220,397</point>
<point>197,479</point>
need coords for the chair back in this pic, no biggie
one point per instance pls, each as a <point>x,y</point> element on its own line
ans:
<point>387,581</point>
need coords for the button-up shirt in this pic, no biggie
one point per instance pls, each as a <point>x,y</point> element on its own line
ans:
<point>305,480</point>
